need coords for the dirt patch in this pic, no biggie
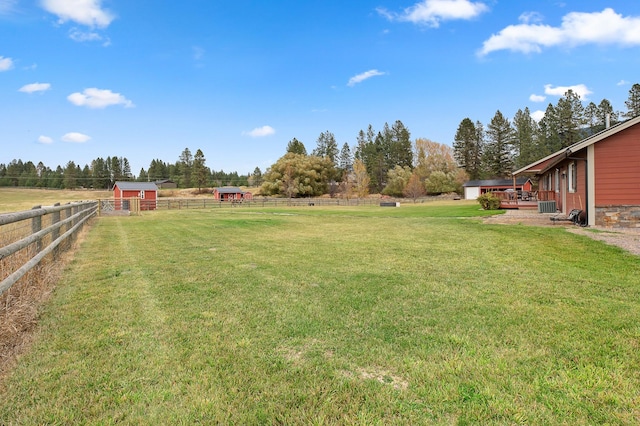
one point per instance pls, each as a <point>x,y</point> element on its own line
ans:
<point>625,238</point>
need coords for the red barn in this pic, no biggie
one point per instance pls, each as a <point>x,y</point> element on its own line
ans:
<point>231,193</point>
<point>145,192</point>
<point>599,175</point>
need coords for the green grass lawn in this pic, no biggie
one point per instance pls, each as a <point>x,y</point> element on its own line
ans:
<point>368,315</point>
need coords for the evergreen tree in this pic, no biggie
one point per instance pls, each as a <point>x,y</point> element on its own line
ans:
<point>327,147</point>
<point>185,164</point>
<point>70,176</point>
<point>296,147</point>
<point>345,160</point>
<point>199,173</point>
<point>256,177</point>
<point>400,147</point>
<point>570,113</point>
<point>633,102</point>
<point>468,148</point>
<point>525,147</point>
<point>549,132</point>
<point>606,114</point>
<point>143,176</point>
<point>591,118</point>
<point>498,156</point>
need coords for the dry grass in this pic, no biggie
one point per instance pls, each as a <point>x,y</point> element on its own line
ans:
<point>18,199</point>
<point>20,306</point>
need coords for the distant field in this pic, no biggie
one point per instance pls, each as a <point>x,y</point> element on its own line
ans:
<point>412,315</point>
<point>16,199</point>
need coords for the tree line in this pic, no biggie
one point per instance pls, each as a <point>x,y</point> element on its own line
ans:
<point>190,171</point>
<point>506,145</point>
<point>386,162</point>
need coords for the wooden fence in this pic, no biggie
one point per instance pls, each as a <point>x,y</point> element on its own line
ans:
<point>29,236</point>
<point>134,206</point>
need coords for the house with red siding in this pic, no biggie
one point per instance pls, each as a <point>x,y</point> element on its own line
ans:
<point>231,193</point>
<point>145,192</point>
<point>599,175</point>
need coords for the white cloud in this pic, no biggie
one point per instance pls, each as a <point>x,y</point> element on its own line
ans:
<point>259,132</point>
<point>622,83</point>
<point>579,89</point>
<point>432,12</point>
<point>87,36</point>
<point>577,28</point>
<point>7,6</point>
<point>530,17</point>
<point>537,98</point>
<point>537,115</point>
<point>364,76</point>
<point>97,98</point>
<point>5,63</point>
<point>45,140</point>
<point>75,137</point>
<point>84,12</point>
<point>35,87</point>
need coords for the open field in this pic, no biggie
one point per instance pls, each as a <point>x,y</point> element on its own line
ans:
<point>411,315</point>
<point>17,199</point>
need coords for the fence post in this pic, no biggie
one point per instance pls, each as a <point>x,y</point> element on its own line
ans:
<point>36,226</point>
<point>55,218</point>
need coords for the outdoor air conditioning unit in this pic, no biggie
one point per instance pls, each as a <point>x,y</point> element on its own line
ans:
<point>546,206</point>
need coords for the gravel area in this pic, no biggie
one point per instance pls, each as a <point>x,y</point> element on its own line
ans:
<point>625,238</point>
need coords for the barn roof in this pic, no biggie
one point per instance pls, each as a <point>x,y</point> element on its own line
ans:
<point>229,190</point>
<point>496,182</point>
<point>136,186</point>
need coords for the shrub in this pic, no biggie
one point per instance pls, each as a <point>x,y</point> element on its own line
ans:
<point>489,201</point>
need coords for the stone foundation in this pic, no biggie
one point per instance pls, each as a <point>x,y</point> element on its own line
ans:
<point>618,216</point>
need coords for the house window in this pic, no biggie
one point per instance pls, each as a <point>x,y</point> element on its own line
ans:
<point>572,178</point>
<point>142,195</point>
<point>556,185</point>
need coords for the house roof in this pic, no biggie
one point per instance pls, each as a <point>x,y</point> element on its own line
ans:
<point>549,161</point>
<point>163,181</point>
<point>229,190</point>
<point>136,186</point>
<point>496,182</point>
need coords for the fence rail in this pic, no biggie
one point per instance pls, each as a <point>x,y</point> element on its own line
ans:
<point>37,233</point>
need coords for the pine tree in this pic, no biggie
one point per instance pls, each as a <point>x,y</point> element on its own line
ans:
<point>548,132</point>
<point>570,113</point>
<point>468,147</point>
<point>327,147</point>
<point>606,114</point>
<point>498,156</point>
<point>296,147</point>
<point>199,173</point>
<point>633,102</point>
<point>345,160</point>
<point>525,147</point>
<point>185,164</point>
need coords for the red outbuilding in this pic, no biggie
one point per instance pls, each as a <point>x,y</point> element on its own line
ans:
<point>125,193</point>
<point>231,193</point>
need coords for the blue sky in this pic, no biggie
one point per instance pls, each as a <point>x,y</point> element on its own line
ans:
<point>238,79</point>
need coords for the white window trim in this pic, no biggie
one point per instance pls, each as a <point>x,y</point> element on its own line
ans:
<point>571,177</point>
